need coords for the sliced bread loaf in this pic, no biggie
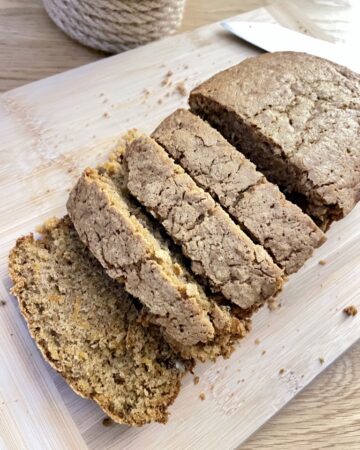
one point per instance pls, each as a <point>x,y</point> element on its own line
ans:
<point>88,328</point>
<point>132,249</point>
<point>219,250</point>
<point>297,117</point>
<point>263,212</point>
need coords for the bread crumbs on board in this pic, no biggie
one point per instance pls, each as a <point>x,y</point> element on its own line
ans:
<point>181,89</point>
<point>196,380</point>
<point>202,396</point>
<point>321,360</point>
<point>273,304</point>
<point>2,302</point>
<point>166,81</point>
<point>350,310</point>
<point>322,262</point>
<point>107,422</point>
<point>257,341</point>
<point>281,371</point>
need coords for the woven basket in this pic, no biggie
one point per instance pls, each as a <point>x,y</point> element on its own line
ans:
<point>116,25</point>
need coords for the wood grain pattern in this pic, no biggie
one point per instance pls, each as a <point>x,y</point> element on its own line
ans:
<point>325,414</point>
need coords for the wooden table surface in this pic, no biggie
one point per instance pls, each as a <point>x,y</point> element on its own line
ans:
<point>327,413</point>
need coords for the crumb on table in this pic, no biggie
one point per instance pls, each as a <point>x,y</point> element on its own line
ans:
<point>202,396</point>
<point>181,89</point>
<point>196,380</point>
<point>257,341</point>
<point>322,262</point>
<point>107,421</point>
<point>321,360</point>
<point>350,310</point>
<point>281,371</point>
<point>273,304</point>
<point>166,81</point>
<point>2,302</point>
<point>263,352</point>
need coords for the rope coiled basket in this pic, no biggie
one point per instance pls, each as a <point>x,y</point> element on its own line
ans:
<point>116,25</point>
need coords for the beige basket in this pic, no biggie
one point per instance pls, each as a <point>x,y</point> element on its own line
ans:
<point>116,25</point>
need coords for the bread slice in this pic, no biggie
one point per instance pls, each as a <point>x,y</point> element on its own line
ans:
<point>88,328</point>
<point>131,254</point>
<point>297,117</point>
<point>133,251</point>
<point>219,250</point>
<point>262,211</point>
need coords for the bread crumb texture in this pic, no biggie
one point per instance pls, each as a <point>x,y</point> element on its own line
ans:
<point>219,251</point>
<point>261,210</point>
<point>132,249</point>
<point>87,327</point>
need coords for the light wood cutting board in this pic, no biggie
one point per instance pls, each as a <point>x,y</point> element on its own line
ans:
<point>50,130</point>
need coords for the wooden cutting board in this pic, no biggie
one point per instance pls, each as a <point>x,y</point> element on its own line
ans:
<point>52,129</point>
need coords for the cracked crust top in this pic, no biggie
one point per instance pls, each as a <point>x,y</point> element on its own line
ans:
<point>298,118</point>
<point>220,252</point>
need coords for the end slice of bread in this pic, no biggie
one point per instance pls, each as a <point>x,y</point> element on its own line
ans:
<point>89,328</point>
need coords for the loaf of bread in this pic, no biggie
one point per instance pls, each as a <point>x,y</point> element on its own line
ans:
<point>258,206</point>
<point>88,328</point>
<point>219,251</point>
<point>109,296</point>
<point>297,117</point>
